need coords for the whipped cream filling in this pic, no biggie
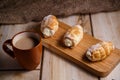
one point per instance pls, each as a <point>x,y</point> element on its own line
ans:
<point>68,42</point>
<point>48,32</point>
<point>88,55</point>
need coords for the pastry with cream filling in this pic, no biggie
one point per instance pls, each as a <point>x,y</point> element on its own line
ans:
<point>49,26</point>
<point>99,51</point>
<point>73,36</point>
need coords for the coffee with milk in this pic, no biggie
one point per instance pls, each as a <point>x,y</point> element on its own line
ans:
<point>26,43</point>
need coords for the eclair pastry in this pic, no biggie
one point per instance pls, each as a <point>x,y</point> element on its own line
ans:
<point>73,36</point>
<point>99,51</point>
<point>49,26</point>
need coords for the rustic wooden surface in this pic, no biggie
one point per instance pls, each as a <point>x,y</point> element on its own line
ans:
<point>104,26</point>
<point>77,54</point>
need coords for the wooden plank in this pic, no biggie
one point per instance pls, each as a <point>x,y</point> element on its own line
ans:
<point>72,20</point>
<point>7,32</point>
<point>20,75</point>
<point>83,20</point>
<point>106,26</point>
<point>58,68</point>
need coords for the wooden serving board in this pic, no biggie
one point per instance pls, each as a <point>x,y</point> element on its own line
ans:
<point>77,54</point>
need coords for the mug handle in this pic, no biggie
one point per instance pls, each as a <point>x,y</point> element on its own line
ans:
<point>6,49</point>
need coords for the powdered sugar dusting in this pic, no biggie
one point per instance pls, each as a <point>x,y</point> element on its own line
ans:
<point>94,47</point>
<point>47,17</point>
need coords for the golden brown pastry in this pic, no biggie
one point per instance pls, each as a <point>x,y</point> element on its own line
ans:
<point>99,51</point>
<point>49,26</point>
<point>73,36</point>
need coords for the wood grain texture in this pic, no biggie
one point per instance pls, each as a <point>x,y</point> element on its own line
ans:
<point>19,75</point>
<point>77,54</point>
<point>56,67</point>
<point>84,21</point>
<point>106,26</point>
<point>7,32</point>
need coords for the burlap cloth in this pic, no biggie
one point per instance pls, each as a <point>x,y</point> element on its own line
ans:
<point>22,11</point>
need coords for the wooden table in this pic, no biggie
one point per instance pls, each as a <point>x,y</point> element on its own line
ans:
<point>104,26</point>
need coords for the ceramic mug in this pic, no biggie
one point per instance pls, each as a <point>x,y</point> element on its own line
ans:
<point>26,49</point>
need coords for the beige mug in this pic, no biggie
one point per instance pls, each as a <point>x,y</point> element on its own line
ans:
<point>27,49</point>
